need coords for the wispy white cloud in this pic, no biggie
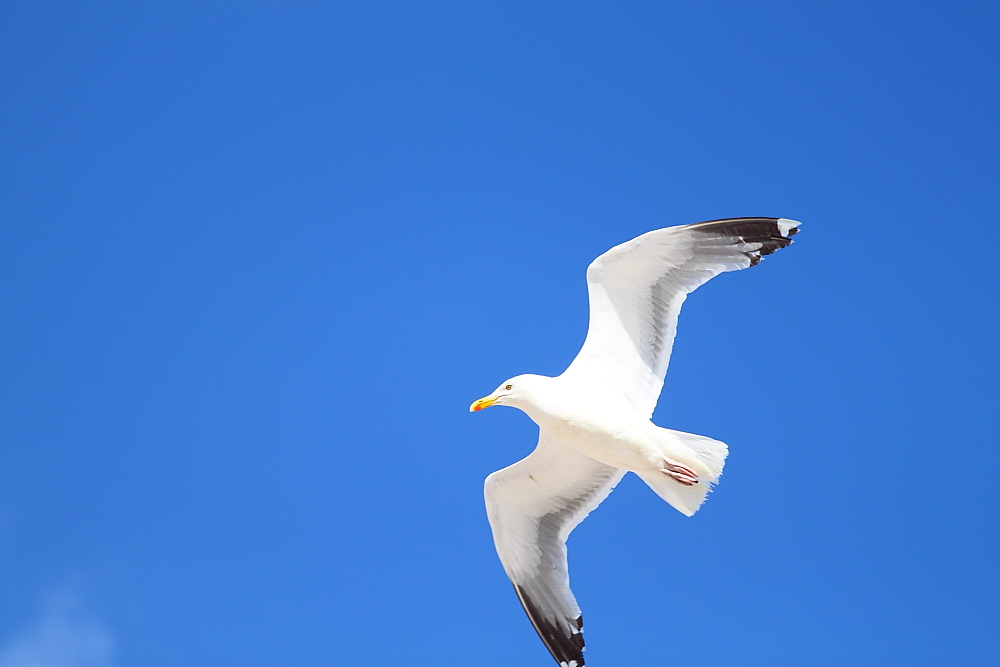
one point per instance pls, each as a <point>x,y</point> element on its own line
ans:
<point>64,634</point>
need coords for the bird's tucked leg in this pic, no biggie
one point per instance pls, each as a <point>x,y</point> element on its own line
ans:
<point>679,472</point>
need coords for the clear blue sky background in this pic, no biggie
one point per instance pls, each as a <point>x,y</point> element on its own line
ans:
<point>257,258</point>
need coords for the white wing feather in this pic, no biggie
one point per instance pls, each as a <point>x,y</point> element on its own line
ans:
<point>636,291</point>
<point>533,506</point>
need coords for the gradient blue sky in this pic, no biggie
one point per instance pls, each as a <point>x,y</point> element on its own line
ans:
<point>257,258</point>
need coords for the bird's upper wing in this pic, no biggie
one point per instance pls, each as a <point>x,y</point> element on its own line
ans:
<point>533,506</point>
<point>636,291</point>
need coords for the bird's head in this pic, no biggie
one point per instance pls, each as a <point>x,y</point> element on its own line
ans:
<point>518,392</point>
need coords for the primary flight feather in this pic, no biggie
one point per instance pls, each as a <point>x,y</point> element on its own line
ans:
<point>594,419</point>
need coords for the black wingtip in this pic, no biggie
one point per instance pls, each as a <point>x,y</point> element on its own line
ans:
<point>567,649</point>
<point>771,233</point>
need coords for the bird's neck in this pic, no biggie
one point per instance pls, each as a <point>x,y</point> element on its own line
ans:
<point>546,407</point>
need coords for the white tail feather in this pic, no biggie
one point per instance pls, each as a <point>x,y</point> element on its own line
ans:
<point>704,455</point>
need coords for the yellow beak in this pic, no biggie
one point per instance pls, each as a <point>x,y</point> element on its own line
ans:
<point>482,403</point>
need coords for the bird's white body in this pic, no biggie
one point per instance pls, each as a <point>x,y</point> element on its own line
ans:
<point>621,444</point>
<point>594,419</point>
<point>601,426</point>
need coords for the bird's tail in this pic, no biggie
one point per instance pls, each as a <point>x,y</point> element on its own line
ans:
<point>703,455</point>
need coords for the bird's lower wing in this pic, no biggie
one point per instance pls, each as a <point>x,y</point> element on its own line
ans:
<point>533,506</point>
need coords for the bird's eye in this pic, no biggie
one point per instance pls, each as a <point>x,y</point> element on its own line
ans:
<point>508,387</point>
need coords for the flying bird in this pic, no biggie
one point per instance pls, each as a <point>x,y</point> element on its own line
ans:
<point>594,419</point>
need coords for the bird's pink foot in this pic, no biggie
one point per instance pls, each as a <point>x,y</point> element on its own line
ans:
<point>679,472</point>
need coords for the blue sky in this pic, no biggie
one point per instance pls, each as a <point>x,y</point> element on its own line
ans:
<point>257,258</point>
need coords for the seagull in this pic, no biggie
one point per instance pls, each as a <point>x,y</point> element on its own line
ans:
<point>594,420</point>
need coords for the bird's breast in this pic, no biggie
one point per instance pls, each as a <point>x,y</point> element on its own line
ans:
<point>614,442</point>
